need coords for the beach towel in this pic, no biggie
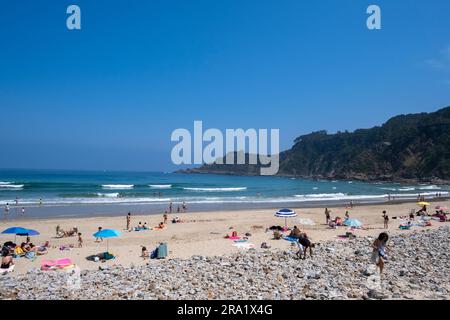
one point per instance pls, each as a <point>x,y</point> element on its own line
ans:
<point>234,238</point>
<point>244,246</point>
<point>5,271</point>
<point>56,264</point>
<point>240,241</point>
<point>306,221</point>
<point>290,239</point>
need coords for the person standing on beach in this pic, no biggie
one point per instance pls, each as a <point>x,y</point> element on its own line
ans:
<point>165,218</point>
<point>80,241</point>
<point>184,206</point>
<point>327,216</point>
<point>379,250</point>
<point>17,201</point>
<point>128,220</point>
<point>99,239</point>
<point>170,207</point>
<point>386,220</point>
<point>7,208</point>
<point>23,210</point>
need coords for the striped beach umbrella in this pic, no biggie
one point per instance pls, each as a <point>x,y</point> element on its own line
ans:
<point>285,213</point>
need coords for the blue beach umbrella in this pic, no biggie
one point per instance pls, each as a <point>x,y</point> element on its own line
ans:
<point>29,232</point>
<point>107,233</point>
<point>285,213</point>
<point>15,231</point>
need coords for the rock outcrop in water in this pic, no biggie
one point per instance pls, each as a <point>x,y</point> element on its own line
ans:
<point>416,269</point>
<point>414,147</point>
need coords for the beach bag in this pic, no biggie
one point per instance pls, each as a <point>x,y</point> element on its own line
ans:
<point>162,251</point>
<point>30,255</point>
<point>234,234</point>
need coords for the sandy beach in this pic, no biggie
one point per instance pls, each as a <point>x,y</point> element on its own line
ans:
<point>199,234</point>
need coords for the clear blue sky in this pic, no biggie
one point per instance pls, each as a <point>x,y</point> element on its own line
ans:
<point>109,96</point>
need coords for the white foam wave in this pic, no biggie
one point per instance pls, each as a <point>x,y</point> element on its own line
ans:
<point>433,187</point>
<point>320,195</point>
<point>215,189</point>
<point>4,182</point>
<point>390,189</point>
<point>12,186</point>
<point>406,189</point>
<point>118,186</point>
<point>108,195</point>
<point>160,186</point>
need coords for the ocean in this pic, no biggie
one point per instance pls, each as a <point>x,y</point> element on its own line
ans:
<point>70,193</point>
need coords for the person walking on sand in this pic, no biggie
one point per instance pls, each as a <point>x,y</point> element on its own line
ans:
<point>386,220</point>
<point>7,208</point>
<point>23,210</point>
<point>165,218</point>
<point>128,221</point>
<point>170,207</point>
<point>80,241</point>
<point>327,216</point>
<point>379,250</point>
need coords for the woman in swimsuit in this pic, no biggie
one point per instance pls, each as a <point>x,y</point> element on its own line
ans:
<point>7,260</point>
<point>379,250</point>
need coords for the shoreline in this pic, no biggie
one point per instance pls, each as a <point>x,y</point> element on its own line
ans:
<point>35,212</point>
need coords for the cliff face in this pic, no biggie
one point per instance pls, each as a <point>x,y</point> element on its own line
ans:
<point>406,147</point>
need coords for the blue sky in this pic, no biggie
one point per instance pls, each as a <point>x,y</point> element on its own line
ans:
<point>108,96</point>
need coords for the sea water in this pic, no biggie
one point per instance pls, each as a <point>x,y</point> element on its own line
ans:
<point>53,193</point>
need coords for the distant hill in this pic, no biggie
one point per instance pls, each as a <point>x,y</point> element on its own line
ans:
<point>413,147</point>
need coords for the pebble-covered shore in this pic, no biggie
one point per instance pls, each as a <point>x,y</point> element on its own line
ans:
<point>417,268</point>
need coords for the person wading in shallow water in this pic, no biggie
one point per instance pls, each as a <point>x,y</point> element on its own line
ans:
<point>379,250</point>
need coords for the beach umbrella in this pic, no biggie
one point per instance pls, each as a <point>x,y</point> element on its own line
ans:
<point>107,233</point>
<point>354,223</point>
<point>15,231</point>
<point>285,213</point>
<point>29,232</point>
<point>422,203</point>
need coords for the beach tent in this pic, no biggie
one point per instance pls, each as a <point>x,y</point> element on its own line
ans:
<point>354,223</point>
<point>15,231</point>
<point>107,233</point>
<point>285,213</point>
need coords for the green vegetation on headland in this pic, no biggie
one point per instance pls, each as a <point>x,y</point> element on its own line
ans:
<point>413,147</point>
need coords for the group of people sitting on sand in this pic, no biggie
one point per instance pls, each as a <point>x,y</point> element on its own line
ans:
<point>60,233</point>
<point>26,249</point>
<point>336,222</point>
<point>303,242</point>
